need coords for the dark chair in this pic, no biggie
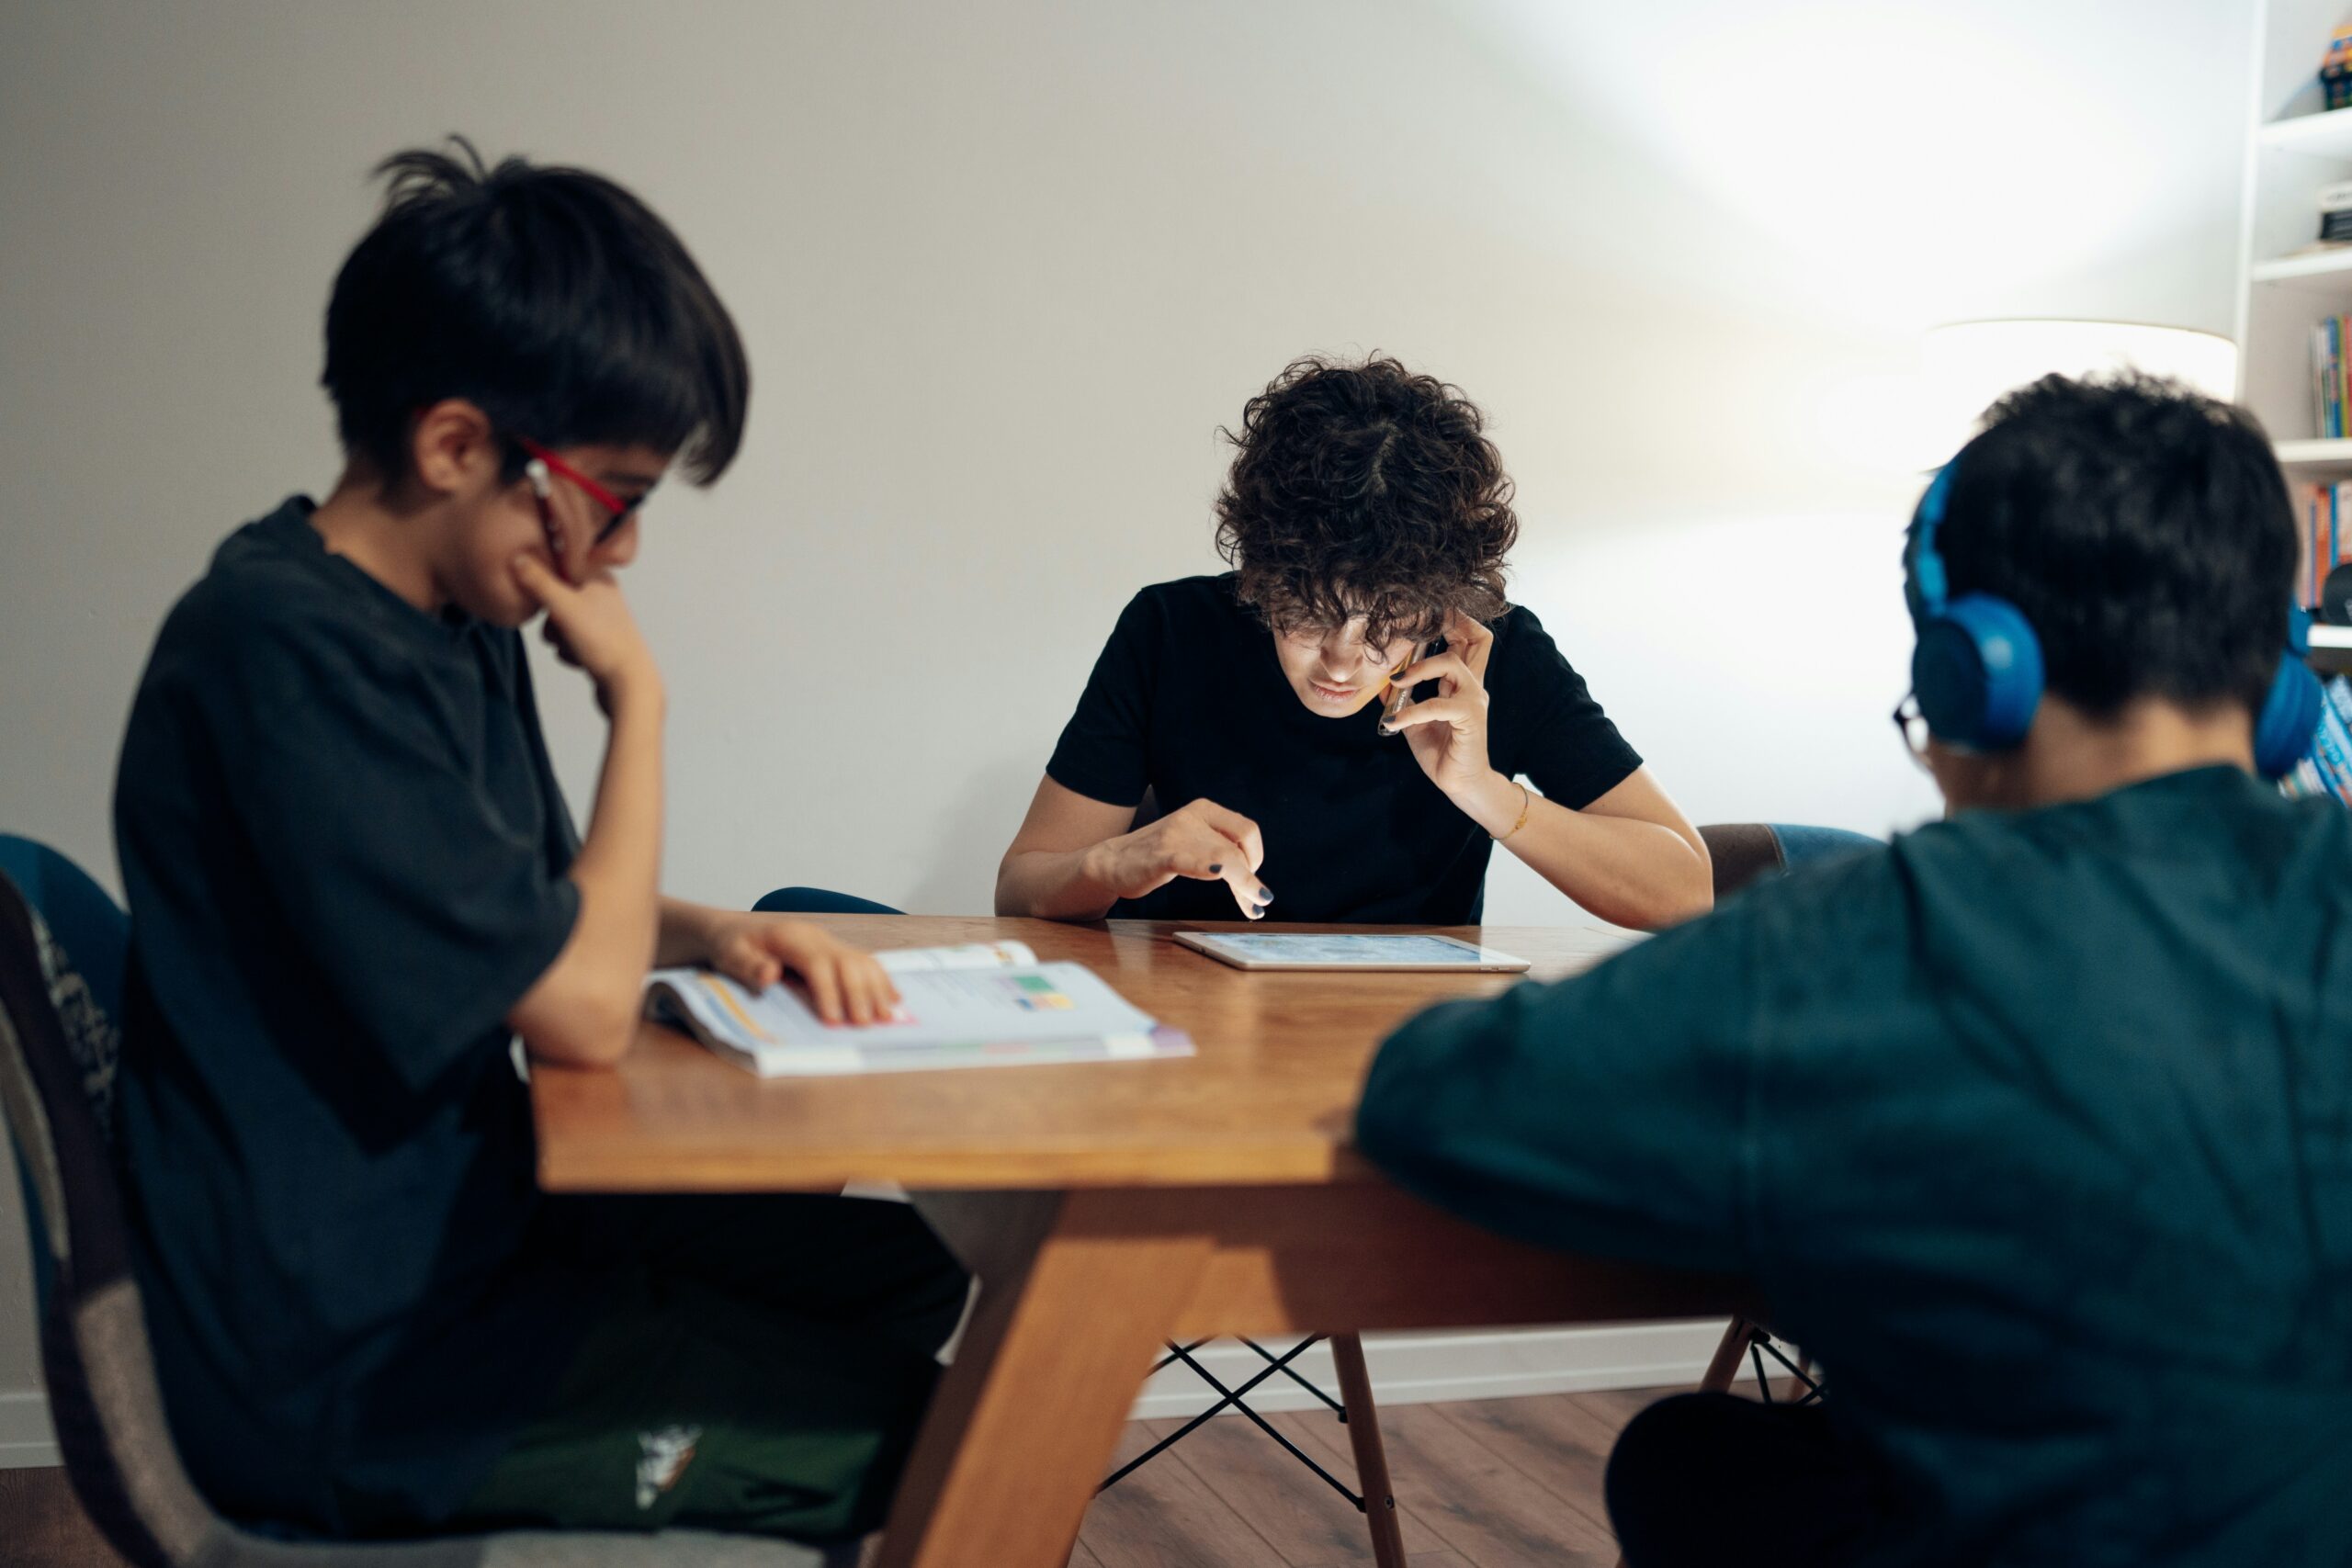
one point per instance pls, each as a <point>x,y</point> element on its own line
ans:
<point>56,1052</point>
<point>1746,852</point>
<point>819,901</point>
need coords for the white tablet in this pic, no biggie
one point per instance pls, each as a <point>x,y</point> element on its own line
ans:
<point>1347,950</point>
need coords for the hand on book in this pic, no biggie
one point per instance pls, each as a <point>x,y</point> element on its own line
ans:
<point>842,982</point>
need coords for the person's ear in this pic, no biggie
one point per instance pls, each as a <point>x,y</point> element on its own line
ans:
<point>453,450</point>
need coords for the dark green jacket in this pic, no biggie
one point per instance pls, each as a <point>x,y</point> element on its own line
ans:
<point>2035,1128</point>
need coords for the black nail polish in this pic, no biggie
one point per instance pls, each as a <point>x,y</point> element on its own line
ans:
<point>1217,871</point>
<point>1265,895</point>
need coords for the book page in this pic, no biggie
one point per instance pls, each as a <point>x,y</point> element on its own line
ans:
<point>973,955</point>
<point>1037,1002</point>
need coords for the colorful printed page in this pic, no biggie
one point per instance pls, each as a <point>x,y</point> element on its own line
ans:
<point>954,1011</point>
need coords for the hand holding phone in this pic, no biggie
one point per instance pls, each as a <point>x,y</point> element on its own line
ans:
<point>1448,731</point>
<point>1396,696</point>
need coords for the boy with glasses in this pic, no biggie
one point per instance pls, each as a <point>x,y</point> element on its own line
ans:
<point>2032,1127</point>
<point>353,884</point>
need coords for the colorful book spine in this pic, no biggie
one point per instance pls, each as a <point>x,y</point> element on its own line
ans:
<point>2331,749</point>
<point>2324,544</point>
<point>2339,697</point>
<point>2337,375</point>
<point>2331,390</point>
<point>2329,752</point>
<point>2306,539</point>
<point>2319,378</point>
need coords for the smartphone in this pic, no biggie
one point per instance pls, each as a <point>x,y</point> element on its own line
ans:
<point>1396,698</point>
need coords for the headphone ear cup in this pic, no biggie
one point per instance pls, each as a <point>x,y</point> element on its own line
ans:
<point>1977,673</point>
<point>2290,713</point>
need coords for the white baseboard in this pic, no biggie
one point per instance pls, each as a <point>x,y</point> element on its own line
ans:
<point>1407,1368</point>
<point>1419,1369</point>
<point>26,1439</point>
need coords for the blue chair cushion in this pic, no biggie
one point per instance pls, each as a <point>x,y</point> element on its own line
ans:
<point>1802,845</point>
<point>819,901</point>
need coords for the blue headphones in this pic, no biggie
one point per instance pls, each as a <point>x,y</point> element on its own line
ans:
<point>1977,668</point>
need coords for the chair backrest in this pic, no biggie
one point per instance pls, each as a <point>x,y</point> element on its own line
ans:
<point>103,1397</point>
<point>90,936</point>
<point>1743,852</point>
<point>81,917</point>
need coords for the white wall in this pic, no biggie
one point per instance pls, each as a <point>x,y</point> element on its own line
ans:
<point>1004,268</point>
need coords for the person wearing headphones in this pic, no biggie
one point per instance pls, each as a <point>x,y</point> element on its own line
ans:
<point>2034,1128</point>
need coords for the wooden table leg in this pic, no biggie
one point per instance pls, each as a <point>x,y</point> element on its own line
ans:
<point>1371,1457</point>
<point>1069,1313</point>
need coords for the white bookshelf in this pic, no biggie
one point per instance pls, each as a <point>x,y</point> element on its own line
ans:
<point>2331,649</point>
<point>2286,288</point>
<point>2314,460</point>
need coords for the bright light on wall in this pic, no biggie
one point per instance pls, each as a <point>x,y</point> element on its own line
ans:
<point>1966,365</point>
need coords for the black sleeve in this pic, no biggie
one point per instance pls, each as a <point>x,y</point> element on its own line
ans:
<point>429,913</point>
<point>1557,735</point>
<point>1102,753</point>
<point>1610,1113</point>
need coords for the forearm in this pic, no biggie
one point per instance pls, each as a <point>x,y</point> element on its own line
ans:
<point>684,936</point>
<point>618,868</point>
<point>584,1007</point>
<point>1055,884</point>
<point>1627,871</point>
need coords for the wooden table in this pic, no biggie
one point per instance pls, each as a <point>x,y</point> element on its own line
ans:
<point>1106,1208</point>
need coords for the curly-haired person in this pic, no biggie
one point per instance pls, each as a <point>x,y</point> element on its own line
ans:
<point>1345,717</point>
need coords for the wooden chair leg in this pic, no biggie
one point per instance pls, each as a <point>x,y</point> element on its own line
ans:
<point>1372,1459</point>
<point>1725,1368</point>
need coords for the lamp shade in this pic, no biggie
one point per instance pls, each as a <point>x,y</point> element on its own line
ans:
<point>1965,366</point>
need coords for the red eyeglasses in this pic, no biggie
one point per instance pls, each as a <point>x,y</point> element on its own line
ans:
<point>544,463</point>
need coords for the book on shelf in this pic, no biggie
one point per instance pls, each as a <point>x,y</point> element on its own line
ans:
<point>2329,386</point>
<point>2326,771</point>
<point>2334,202</point>
<point>988,1004</point>
<point>2323,537</point>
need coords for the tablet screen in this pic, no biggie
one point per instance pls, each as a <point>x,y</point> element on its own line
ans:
<point>1343,948</point>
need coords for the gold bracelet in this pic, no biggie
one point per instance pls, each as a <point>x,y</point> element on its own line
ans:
<point>1525,802</point>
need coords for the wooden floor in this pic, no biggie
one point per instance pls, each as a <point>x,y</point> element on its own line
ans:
<point>1494,1484</point>
<point>41,1524</point>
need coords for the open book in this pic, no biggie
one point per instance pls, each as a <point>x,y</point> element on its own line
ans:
<point>988,1005</point>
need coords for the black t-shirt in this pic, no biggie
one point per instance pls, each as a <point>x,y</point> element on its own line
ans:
<point>345,859</point>
<point>1189,701</point>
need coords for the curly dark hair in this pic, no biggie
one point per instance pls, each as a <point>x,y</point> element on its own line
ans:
<point>1365,489</point>
<point>2145,531</point>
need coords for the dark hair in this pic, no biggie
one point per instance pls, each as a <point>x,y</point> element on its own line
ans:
<point>1365,489</point>
<point>550,297</point>
<point>2144,531</point>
